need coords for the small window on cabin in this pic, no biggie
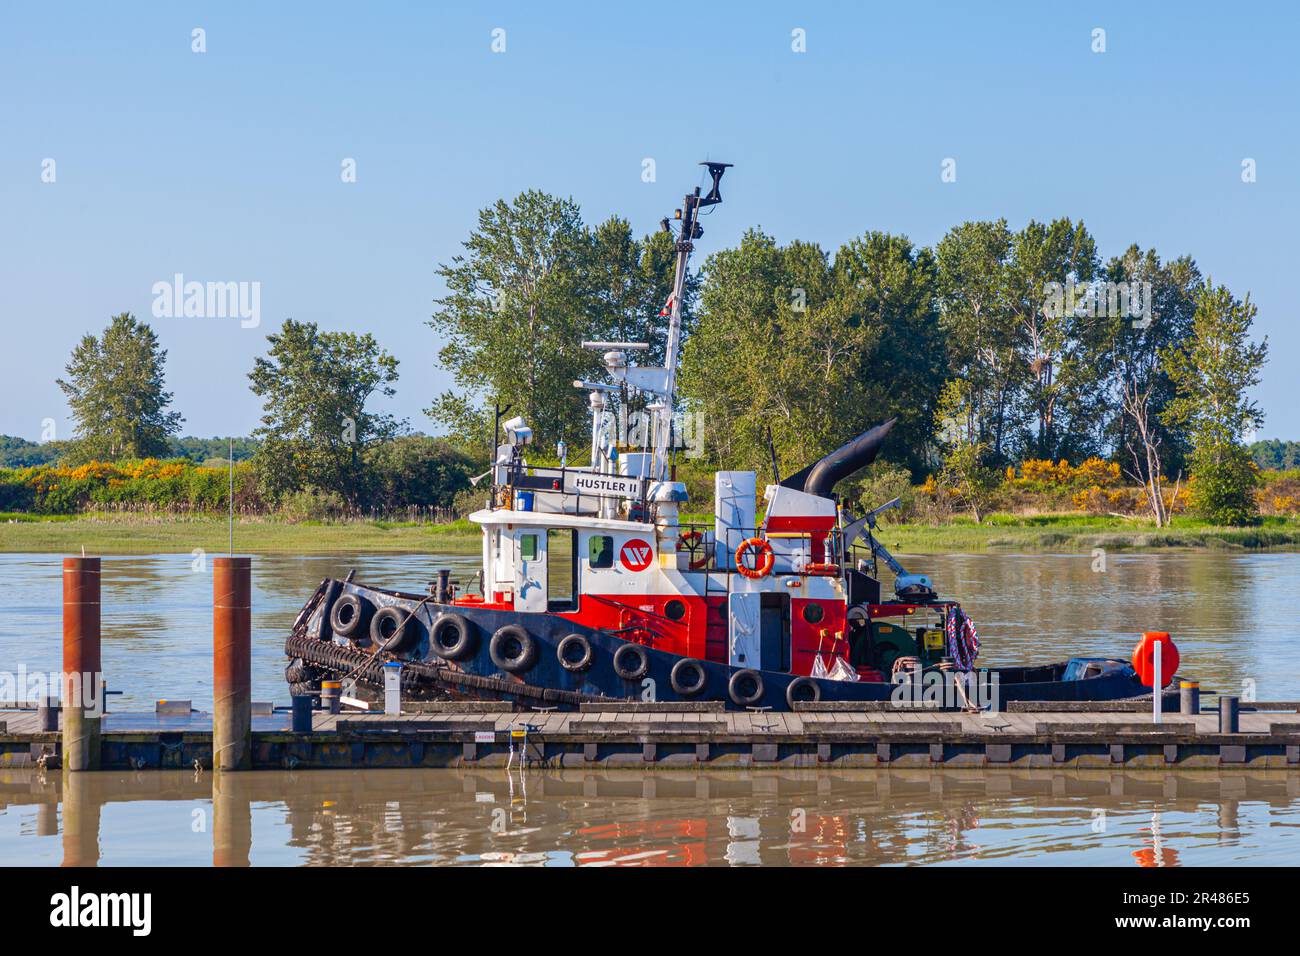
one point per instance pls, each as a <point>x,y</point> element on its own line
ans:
<point>528,546</point>
<point>600,551</point>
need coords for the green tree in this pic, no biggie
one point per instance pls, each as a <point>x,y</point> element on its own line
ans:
<point>1212,372</point>
<point>627,283</point>
<point>1148,448</point>
<point>532,285</point>
<point>979,328</point>
<point>209,449</point>
<point>512,320</point>
<point>315,425</point>
<point>964,468</point>
<point>773,349</point>
<point>115,389</point>
<point>815,351</point>
<point>1043,254</point>
<point>16,452</point>
<point>416,470</point>
<point>894,286</point>
<point>1273,454</point>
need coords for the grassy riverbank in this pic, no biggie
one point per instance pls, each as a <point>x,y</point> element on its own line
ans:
<point>135,535</point>
<point>1084,533</point>
<point>127,535</point>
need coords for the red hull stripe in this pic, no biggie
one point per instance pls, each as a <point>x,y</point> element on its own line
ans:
<point>783,523</point>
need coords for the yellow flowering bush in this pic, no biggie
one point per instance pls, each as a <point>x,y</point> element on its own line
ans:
<point>146,484</point>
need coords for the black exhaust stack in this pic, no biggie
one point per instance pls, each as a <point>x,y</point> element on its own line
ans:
<point>822,476</point>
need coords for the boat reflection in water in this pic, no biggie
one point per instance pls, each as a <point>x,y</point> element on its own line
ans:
<point>625,818</point>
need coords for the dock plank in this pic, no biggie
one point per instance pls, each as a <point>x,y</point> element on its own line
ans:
<point>838,737</point>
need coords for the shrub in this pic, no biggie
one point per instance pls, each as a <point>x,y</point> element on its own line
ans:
<point>313,504</point>
<point>415,470</point>
<point>15,493</point>
<point>879,483</point>
<point>1279,492</point>
<point>147,484</point>
<point>1039,475</point>
<point>469,500</point>
<point>1223,490</point>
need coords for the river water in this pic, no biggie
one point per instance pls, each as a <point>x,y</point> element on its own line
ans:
<point>1229,613</point>
<point>656,818</point>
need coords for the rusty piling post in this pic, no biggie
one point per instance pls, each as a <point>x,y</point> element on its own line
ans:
<point>82,683</point>
<point>232,696</point>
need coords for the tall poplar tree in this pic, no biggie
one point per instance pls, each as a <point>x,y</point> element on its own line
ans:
<point>316,426</point>
<point>115,389</point>
<point>1212,372</point>
<point>532,284</point>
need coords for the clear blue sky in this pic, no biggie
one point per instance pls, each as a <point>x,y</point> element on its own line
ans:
<point>225,165</point>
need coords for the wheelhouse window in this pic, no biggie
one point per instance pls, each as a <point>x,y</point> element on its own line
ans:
<point>600,551</point>
<point>562,571</point>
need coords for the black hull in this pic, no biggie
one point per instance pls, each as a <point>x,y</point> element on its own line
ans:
<point>546,682</point>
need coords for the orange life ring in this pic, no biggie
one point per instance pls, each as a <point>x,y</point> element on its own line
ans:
<point>823,569</point>
<point>763,558</point>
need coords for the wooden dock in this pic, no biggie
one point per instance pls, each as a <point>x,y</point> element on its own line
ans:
<point>664,735</point>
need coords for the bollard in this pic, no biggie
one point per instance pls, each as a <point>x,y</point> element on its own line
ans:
<point>393,688</point>
<point>1228,715</point>
<point>47,715</point>
<point>302,714</point>
<point>331,696</point>
<point>1189,697</point>
<point>232,695</point>
<point>82,693</point>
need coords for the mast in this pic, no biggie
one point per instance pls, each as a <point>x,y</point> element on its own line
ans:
<point>690,231</point>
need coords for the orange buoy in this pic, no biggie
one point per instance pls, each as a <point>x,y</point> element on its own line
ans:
<point>1144,655</point>
<point>764,559</point>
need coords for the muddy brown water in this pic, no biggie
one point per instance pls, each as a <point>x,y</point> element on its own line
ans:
<point>1231,615</point>
<point>664,818</point>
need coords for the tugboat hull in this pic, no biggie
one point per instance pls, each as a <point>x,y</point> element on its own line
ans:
<point>460,650</point>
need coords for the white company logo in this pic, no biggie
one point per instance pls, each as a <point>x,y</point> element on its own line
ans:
<point>636,554</point>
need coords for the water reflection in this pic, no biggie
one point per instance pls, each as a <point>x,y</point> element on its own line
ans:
<point>624,818</point>
<point>83,799</point>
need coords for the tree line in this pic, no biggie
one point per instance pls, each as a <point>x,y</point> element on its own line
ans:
<point>320,449</point>
<point>995,346</point>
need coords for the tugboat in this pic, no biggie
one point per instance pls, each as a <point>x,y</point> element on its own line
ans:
<point>594,586</point>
